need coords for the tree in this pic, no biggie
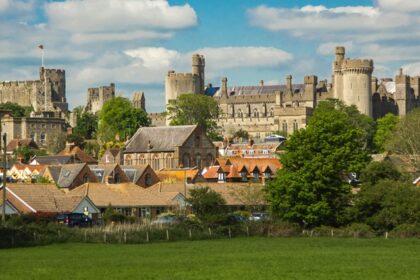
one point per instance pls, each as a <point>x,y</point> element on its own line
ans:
<point>376,171</point>
<point>251,195</point>
<point>205,202</point>
<point>387,204</point>
<point>25,153</point>
<point>190,109</point>
<point>17,110</point>
<point>405,137</point>
<point>76,139</point>
<point>119,118</point>
<point>241,134</point>
<point>87,125</point>
<point>384,128</point>
<point>310,188</point>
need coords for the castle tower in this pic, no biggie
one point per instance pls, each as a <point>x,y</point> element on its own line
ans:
<point>310,89</point>
<point>198,64</point>
<point>402,92</point>
<point>139,101</point>
<point>53,83</point>
<point>340,53</point>
<point>357,84</point>
<point>223,88</point>
<point>289,85</point>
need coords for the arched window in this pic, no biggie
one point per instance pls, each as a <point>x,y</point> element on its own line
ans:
<point>186,160</point>
<point>43,138</point>
<point>295,126</point>
<point>284,127</point>
<point>240,114</point>
<point>198,161</point>
<point>272,112</point>
<point>169,161</point>
<point>85,178</point>
<point>128,160</point>
<point>155,162</point>
<point>255,113</point>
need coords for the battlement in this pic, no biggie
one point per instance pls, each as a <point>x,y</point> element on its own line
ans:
<point>415,80</point>
<point>180,76</point>
<point>311,79</point>
<point>9,84</point>
<point>363,65</point>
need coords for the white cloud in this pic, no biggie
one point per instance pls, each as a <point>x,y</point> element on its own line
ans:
<point>412,69</point>
<point>154,57</point>
<point>400,5</point>
<point>118,15</point>
<point>329,47</point>
<point>4,5</point>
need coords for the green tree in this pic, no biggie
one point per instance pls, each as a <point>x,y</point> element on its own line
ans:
<point>17,110</point>
<point>241,134</point>
<point>25,153</point>
<point>310,188</point>
<point>87,125</point>
<point>387,204</point>
<point>119,118</point>
<point>205,202</point>
<point>384,128</point>
<point>405,137</point>
<point>376,171</point>
<point>76,139</point>
<point>190,109</point>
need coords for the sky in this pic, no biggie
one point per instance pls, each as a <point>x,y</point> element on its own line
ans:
<point>133,43</point>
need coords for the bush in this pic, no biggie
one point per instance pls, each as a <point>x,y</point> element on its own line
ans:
<point>406,230</point>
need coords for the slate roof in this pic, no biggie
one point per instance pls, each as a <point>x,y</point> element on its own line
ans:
<point>51,160</point>
<point>102,171</point>
<point>162,138</point>
<point>64,175</point>
<point>123,195</point>
<point>134,172</point>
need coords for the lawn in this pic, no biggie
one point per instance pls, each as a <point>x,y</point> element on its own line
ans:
<point>240,258</point>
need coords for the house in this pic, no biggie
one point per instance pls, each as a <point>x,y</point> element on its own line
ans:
<point>53,160</point>
<point>172,175</point>
<point>76,152</point>
<point>143,176</point>
<point>170,147</point>
<point>17,143</point>
<point>241,170</point>
<point>46,198</point>
<point>112,156</point>
<point>25,172</point>
<point>109,173</point>
<point>253,150</point>
<point>130,199</point>
<point>69,176</point>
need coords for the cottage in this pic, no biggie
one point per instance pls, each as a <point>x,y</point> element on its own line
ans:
<point>112,156</point>
<point>170,147</point>
<point>25,172</point>
<point>69,176</point>
<point>109,173</point>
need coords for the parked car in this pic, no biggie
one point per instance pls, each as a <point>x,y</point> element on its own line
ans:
<point>74,219</point>
<point>258,216</point>
<point>165,220</point>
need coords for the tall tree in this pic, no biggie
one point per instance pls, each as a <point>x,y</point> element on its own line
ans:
<point>189,109</point>
<point>119,118</point>
<point>384,128</point>
<point>205,202</point>
<point>310,188</point>
<point>405,138</point>
<point>87,125</point>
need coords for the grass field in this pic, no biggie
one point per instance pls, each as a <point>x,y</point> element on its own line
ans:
<point>241,258</point>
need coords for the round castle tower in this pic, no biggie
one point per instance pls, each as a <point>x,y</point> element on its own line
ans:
<point>353,81</point>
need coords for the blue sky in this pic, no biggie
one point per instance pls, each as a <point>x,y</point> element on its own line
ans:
<point>133,43</point>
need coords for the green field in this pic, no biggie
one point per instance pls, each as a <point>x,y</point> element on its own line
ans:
<point>241,258</point>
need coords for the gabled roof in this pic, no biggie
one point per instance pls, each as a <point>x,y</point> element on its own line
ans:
<point>161,138</point>
<point>102,171</point>
<point>51,160</point>
<point>77,153</point>
<point>123,195</point>
<point>64,175</point>
<point>32,168</point>
<point>134,172</point>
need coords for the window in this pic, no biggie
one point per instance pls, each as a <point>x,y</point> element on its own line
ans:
<point>33,135</point>
<point>295,126</point>
<point>117,178</point>
<point>145,212</point>
<point>256,174</point>
<point>243,176</point>
<point>148,180</point>
<point>198,161</point>
<point>256,114</point>
<point>240,114</point>
<point>271,112</point>
<point>221,176</point>
<point>267,174</point>
<point>155,163</point>
<point>128,160</point>
<point>85,178</point>
<point>284,127</point>
<point>186,160</point>
<point>43,138</point>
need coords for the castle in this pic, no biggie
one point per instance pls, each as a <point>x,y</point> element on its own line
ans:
<point>48,94</point>
<point>264,109</point>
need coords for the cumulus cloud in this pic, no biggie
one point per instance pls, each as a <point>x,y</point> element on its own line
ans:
<point>400,5</point>
<point>117,15</point>
<point>329,47</point>
<point>154,57</point>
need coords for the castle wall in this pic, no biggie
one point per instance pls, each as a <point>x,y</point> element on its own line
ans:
<point>96,97</point>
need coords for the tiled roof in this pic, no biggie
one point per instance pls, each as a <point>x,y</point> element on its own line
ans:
<point>134,172</point>
<point>102,171</point>
<point>32,168</point>
<point>51,160</point>
<point>258,90</point>
<point>161,138</point>
<point>64,175</point>
<point>78,153</point>
<point>123,195</point>
<point>178,175</point>
<point>15,143</point>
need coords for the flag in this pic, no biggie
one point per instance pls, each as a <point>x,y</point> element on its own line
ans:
<point>41,47</point>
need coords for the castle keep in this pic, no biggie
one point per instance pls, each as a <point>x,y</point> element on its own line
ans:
<point>96,97</point>
<point>46,94</point>
<point>264,109</point>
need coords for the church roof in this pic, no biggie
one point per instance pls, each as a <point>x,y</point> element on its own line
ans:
<point>159,139</point>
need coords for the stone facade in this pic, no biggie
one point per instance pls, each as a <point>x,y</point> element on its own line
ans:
<point>96,97</point>
<point>139,101</point>
<point>262,110</point>
<point>46,94</point>
<point>40,129</point>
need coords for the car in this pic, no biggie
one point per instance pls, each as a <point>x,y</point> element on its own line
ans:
<point>165,220</point>
<point>74,219</point>
<point>258,216</point>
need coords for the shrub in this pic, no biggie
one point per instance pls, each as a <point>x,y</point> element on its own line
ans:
<point>406,230</point>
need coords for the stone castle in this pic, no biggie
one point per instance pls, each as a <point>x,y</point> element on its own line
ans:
<point>264,109</point>
<point>48,94</point>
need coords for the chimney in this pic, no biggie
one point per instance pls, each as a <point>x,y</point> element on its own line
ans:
<point>69,146</point>
<point>289,83</point>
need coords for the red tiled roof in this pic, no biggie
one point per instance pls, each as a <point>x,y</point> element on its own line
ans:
<point>79,153</point>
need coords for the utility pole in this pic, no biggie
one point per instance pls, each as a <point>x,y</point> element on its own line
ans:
<point>4,175</point>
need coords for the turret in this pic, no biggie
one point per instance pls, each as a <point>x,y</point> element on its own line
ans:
<point>223,89</point>
<point>310,88</point>
<point>340,53</point>
<point>198,65</point>
<point>402,90</point>
<point>289,86</point>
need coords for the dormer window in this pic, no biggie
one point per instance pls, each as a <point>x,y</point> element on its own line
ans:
<point>243,175</point>
<point>267,174</point>
<point>221,176</point>
<point>256,174</point>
